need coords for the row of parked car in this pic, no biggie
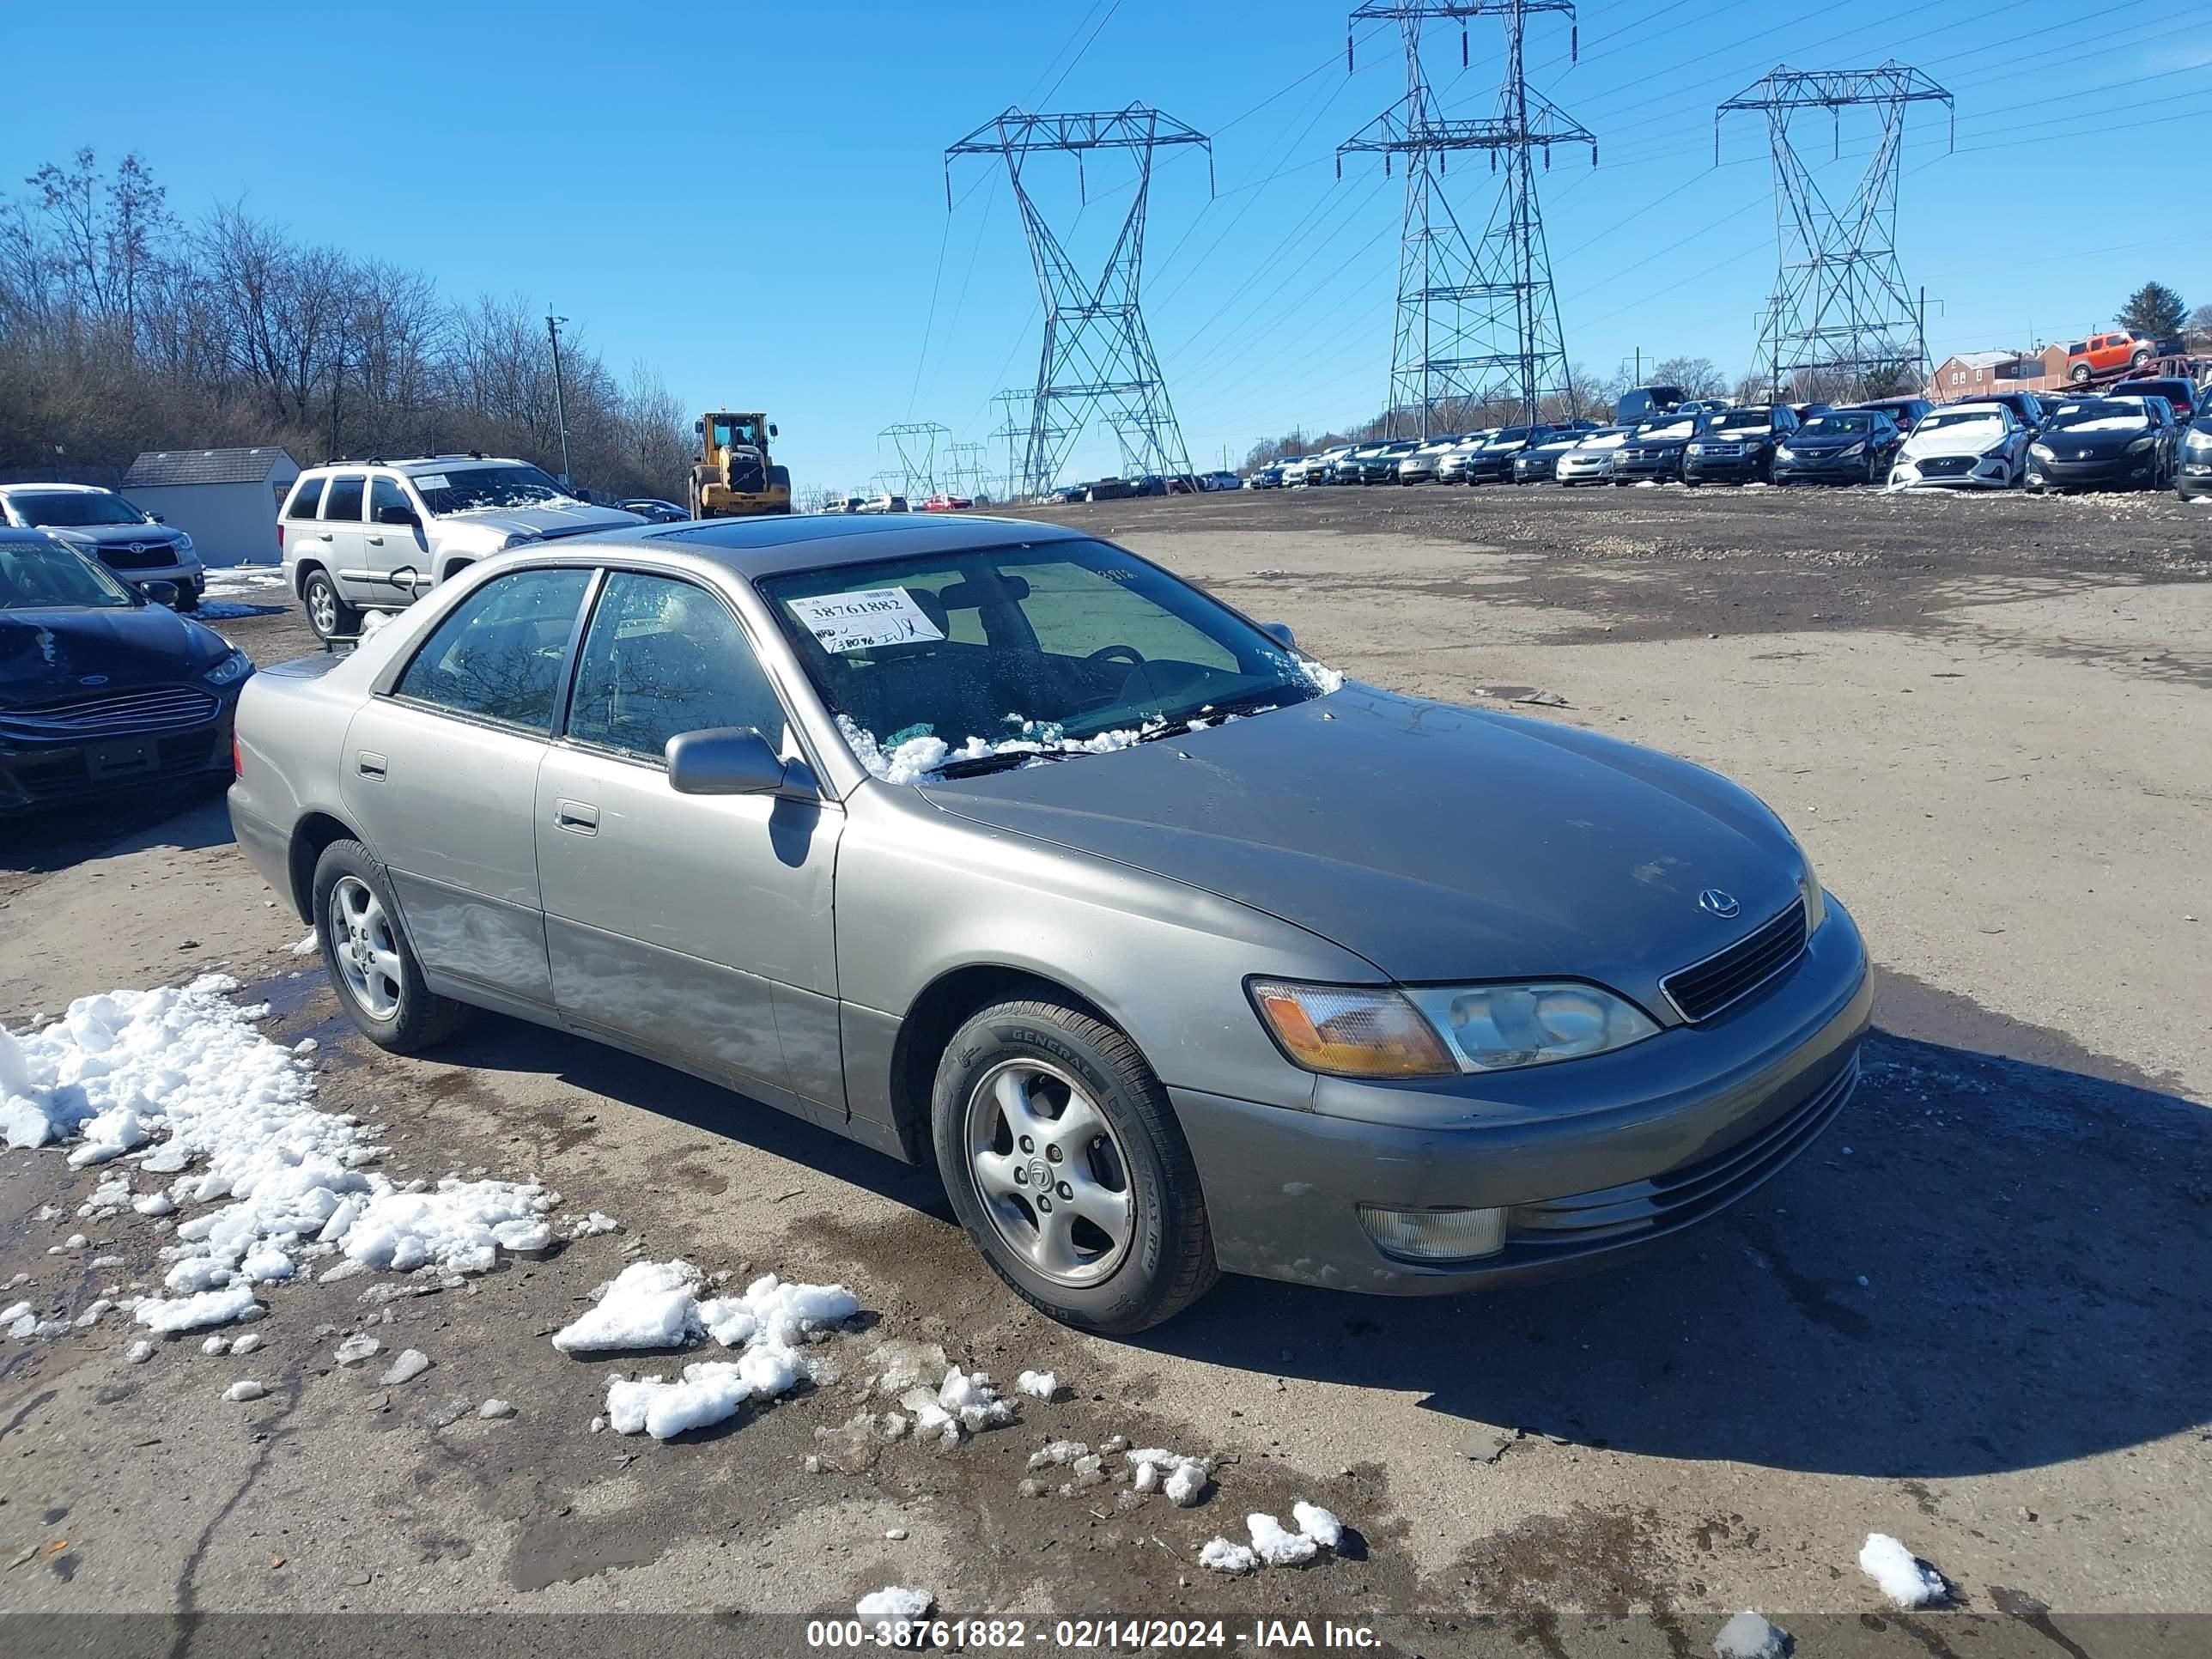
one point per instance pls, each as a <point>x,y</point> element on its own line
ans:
<point>2148,434</point>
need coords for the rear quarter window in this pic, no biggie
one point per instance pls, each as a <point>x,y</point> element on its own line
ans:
<point>307,499</point>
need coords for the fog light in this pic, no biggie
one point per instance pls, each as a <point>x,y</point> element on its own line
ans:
<point>1434,1234</point>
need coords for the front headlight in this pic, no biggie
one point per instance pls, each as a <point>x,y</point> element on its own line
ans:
<point>1498,1028</point>
<point>2142,444</point>
<point>2197,440</point>
<point>1696,449</point>
<point>1816,898</point>
<point>1856,449</point>
<point>1350,1031</point>
<point>231,668</point>
<point>184,543</point>
<point>2041,451</point>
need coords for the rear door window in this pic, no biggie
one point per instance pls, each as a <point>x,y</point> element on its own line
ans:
<point>498,655</point>
<point>341,502</point>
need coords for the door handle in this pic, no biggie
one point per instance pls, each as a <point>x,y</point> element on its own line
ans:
<point>370,766</point>
<point>376,541</point>
<point>579,817</point>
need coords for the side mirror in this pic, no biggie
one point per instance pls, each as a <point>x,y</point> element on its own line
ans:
<point>725,760</point>
<point>1280,633</point>
<point>155,517</point>
<point>699,427</point>
<point>160,593</point>
<point>771,428</point>
<point>402,515</point>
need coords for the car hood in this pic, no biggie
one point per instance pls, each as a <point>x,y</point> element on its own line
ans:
<point>2067,443</point>
<point>550,522</point>
<point>1440,844</point>
<point>46,654</point>
<point>1823,443</point>
<point>1954,441</point>
<point>117,535</point>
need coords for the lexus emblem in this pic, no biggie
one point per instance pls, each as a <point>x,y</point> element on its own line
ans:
<point>1714,902</point>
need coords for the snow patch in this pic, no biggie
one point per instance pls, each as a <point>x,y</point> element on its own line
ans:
<point>1182,1478</point>
<point>1318,1525</point>
<point>186,1063</point>
<point>1904,1577</point>
<point>1223,1556</point>
<point>1041,1385</point>
<point>895,1603</point>
<point>1749,1636</point>
<point>168,1316</point>
<point>244,1389</point>
<point>1276,1545</point>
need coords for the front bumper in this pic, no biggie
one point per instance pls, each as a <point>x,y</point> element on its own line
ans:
<point>1945,472</point>
<point>1594,1158</point>
<point>34,772</point>
<point>1657,471</point>
<point>1722,469</point>
<point>2195,478</point>
<point>2117,472</point>
<point>1834,467</point>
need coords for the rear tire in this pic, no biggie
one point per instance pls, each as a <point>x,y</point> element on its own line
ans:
<point>188,598</point>
<point>1010,1075</point>
<point>330,616</point>
<point>372,966</point>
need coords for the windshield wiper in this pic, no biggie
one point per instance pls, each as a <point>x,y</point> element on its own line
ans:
<point>1252,702</point>
<point>1004,760</point>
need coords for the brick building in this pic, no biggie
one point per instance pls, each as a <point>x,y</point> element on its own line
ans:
<point>1983,373</point>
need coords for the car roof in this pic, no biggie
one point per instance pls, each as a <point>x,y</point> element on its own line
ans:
<point>414,464</point>
<point>47,489</point>
<point>768,546</point>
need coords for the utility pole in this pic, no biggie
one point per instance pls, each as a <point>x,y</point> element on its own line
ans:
<point>1840,311</point>
<point>1097,357</point>
<point>1477,321</point>
<point>559,398</point>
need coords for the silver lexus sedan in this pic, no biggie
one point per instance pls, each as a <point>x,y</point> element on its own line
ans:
<point>989,843</point>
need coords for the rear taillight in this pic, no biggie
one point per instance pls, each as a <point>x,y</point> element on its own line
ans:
<point>237,757</point>
<point>280,535</point>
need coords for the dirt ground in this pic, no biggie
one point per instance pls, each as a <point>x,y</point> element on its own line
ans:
<point>1973,1316</point>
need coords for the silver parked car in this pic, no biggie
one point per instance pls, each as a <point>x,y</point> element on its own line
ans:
<point>990,844</point>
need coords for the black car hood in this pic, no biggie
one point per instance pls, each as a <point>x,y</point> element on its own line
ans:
<point>48,655</point>
<point>1438,842</point>
<point>1826,443</point>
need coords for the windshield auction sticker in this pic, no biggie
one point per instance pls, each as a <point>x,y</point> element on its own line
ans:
<point>854,621</point>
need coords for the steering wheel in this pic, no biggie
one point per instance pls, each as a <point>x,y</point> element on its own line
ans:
<point>1106,653</point>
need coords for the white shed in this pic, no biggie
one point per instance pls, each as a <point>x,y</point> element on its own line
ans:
<point>225,499</point>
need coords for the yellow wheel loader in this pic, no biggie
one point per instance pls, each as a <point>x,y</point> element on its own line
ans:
<point>731,477</point>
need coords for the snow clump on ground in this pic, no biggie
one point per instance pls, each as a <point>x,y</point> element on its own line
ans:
<point>656,1304</point>
<point>1042,1385</point>
<point>1273,1545</point>
<point>1749,1636</point>
<point>895,1602</point>
<point>1904,1577</point>
<point>235,1118</point>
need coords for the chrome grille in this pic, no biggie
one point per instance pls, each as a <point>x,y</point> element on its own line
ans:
<point>147,556</point>
<point>1946,466</point>
<point>158,710</point>
<point>1705,988</point>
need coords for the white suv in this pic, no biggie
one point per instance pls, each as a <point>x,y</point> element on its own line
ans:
<point>371,535</point>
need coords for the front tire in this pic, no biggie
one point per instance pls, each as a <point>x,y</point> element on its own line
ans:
<point>372,967</point>
<point>1063,1161</point>
<point>330,616</point>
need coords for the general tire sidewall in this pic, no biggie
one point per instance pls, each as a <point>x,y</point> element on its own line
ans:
<point>997,1036</point>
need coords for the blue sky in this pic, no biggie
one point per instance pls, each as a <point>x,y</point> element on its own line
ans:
<point>752,200</point>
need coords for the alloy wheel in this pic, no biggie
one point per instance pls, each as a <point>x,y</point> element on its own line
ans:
<point>1050,1171</point>
<point>322,608</point>
<point>364,947</point>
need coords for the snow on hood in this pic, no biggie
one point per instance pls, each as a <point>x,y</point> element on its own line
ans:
<point>1433,840</point>
<point>1959,438</point>
<point>550,519</point>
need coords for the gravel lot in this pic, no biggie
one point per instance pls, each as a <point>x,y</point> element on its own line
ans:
<point>1973,1316</point>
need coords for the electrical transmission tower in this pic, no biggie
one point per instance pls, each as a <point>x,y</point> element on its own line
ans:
<point>964,474</point>
<point>1096,352</point>
<point>916,443</point>
<point>1477,320</point>
<point>1840,314</point>
<point>1014,431</point>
